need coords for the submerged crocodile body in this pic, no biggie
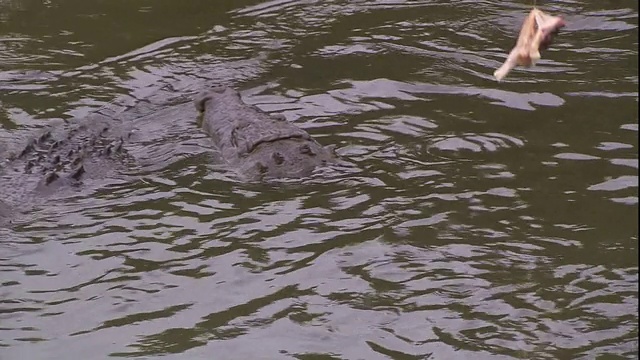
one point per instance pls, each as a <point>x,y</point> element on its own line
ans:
<point>65,156</point>
<point>60,157</point>
<point>256,144</point>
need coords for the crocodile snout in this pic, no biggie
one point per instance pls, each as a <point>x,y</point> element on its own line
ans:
<point>216,91</point>
<point>201,100</point>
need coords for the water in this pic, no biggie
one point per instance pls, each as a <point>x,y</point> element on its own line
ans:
<point>481,220</point>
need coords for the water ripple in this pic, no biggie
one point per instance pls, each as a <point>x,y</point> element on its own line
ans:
<point>475,219</point>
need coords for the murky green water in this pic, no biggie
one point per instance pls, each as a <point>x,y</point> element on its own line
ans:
<point>482,220</point>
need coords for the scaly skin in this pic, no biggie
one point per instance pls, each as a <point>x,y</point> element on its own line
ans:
<point>59,157</point>
<point>256,144</point>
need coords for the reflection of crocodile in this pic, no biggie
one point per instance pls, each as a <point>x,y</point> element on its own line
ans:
<point>256,144</point>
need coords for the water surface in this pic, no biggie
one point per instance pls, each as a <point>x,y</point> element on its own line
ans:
<point>480,220</point>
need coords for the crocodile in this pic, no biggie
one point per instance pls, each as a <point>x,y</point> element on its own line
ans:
<point>256,144</point>
<point>60,157</point>
<point>65,153</point>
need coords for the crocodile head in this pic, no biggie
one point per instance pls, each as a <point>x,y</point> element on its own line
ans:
<point>253,141</point>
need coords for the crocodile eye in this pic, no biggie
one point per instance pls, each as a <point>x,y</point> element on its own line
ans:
<point>306,149</point>
<point>278,158</point>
